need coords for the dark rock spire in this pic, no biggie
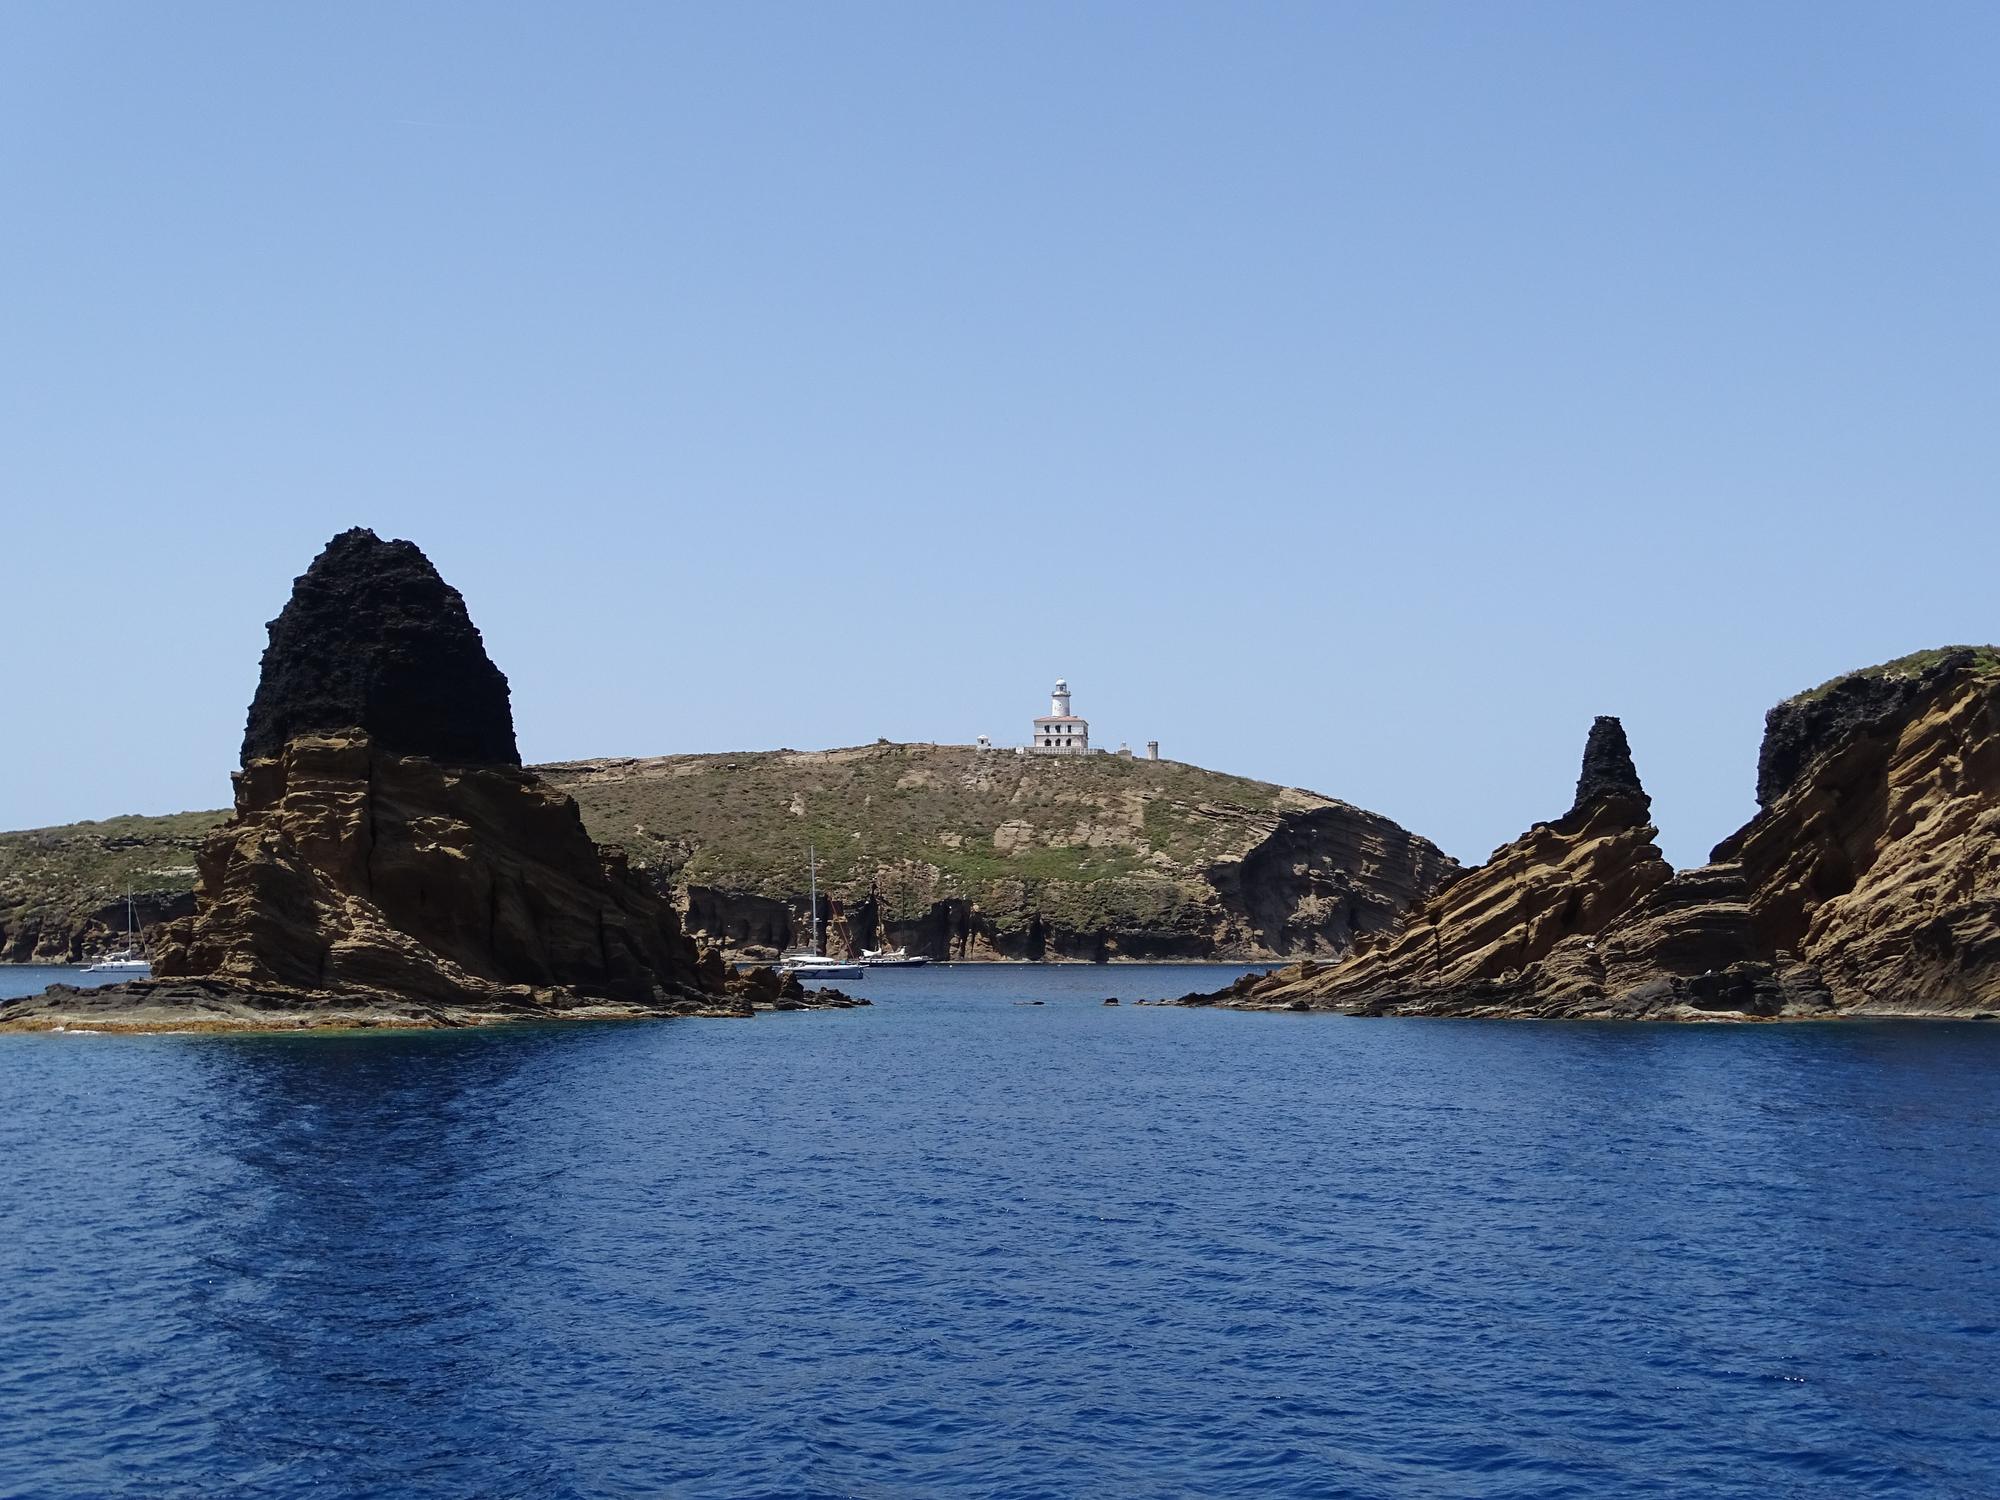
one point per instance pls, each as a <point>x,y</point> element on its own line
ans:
<point>1607,767</point>
<point>373,638</point>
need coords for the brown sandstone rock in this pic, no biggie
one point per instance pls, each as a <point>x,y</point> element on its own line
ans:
<point>1522,922</point>
<point>1868,885</point>
<point>373,868</point>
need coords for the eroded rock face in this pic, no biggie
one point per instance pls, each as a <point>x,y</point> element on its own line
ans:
<point>388,857</point>
<point>1525,921</point>
<point>1880,865</point>
<point>373,639</point>
<point>1607,767</point>
<point>348,868</point>
<point>1868,885</point>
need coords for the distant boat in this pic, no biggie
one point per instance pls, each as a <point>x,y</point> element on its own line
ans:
<point>891,958</point>
<point>127,961</point>
<point>811,963</point>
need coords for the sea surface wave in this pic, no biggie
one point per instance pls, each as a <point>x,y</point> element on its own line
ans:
<point>959,1244</point>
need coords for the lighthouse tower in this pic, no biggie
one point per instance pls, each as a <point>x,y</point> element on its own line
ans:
<point>1060,732</point>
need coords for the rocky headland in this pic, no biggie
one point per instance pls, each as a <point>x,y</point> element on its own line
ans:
<point>953,852</point>
<point>1868,883</point>
<point>967,854</point>
<point>389,861</point>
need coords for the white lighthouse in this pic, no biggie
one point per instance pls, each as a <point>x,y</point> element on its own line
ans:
<point>1060,732</point>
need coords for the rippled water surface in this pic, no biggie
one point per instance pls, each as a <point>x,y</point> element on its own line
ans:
<point>959,1245</point>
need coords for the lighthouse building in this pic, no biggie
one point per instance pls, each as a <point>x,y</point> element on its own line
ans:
<point>1060,732</point>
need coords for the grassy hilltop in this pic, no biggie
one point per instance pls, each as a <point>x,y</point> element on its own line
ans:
<point>62,889</point>
<point>1103,855</point>
<point>951,849</point>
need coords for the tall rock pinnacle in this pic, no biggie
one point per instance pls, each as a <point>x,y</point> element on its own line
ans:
<point>1607,766</point>
<point>373,638</point>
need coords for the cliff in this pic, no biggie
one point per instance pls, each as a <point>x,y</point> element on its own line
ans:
<point>953,852</point>
<point>967,854</point>
<point>1869,884</point>
<point>385,863</point>
<point>62,890</point>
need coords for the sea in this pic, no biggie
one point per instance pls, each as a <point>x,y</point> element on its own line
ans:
<point>992,1237</point>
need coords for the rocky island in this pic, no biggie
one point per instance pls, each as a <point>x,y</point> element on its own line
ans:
<point>389,861</point>
<point>951,851</point>
<point>1868,883</point>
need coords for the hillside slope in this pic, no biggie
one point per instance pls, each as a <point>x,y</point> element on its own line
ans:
<point>62,890</point>
<point>955,852</point>
<point>964,853</point>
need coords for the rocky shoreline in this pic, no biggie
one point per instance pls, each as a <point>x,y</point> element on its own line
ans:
<point>390,862</point>
<point>1866,887</point>
<point>184,1005</point>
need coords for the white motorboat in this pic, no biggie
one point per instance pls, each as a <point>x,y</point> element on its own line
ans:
<point>891,958</point>
<point>810,963</point>
<point>127,960</point>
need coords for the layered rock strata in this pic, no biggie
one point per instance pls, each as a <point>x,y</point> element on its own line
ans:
<point>1512,926</point>
<point>1869,884</point>
<point>387,864</point>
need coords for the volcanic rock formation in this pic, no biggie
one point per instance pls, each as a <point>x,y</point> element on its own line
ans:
<point>373,639</point>
<point>1493,931</point>
<point>1868,884</point>
<point>388,858</point>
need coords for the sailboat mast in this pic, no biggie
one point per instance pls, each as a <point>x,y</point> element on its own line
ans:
<point>812,865</point>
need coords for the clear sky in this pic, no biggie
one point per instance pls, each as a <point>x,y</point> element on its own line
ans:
<point>1360,396</point>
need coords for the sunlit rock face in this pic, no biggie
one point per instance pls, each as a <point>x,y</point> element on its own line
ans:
<point>386,840</point>
<point>1869,884</point>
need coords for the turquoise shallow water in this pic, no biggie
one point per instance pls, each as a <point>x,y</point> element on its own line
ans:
<point>958,1245</point>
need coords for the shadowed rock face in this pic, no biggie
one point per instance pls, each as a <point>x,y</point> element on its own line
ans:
<point>373,639</point>
<point>1607,766</point>
<point>1800,728</point>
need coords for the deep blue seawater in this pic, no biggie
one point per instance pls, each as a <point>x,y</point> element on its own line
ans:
<point>956,1245</point>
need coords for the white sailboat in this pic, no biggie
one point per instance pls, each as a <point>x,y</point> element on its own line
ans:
<point>127,961</point>
<point>891,958</point>
<point>811,962</point>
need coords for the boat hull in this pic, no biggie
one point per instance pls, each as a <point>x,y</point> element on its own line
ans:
<point>821,971</point>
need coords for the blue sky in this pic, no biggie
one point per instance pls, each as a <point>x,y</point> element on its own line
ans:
<point>1356,396</point>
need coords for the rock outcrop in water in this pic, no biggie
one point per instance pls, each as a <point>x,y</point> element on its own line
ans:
<point>388,859</point>
<point>1508,926</point>
<point>1869,884</point>
<point>950,851</point>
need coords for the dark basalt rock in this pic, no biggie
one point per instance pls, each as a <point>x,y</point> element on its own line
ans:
<point>1607,767</point>
<point>1799,729</point>
<point>373,639</point>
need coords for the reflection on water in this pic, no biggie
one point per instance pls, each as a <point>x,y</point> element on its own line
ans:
<point>959,1244</point>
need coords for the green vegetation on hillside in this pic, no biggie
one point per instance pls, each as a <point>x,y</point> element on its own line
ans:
<point>1985,661</point>
<point>920,822</point>
<point>95,862</point>
<point>1098,842</point>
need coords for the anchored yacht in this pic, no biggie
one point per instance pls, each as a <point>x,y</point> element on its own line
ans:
<point>812,963</point>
